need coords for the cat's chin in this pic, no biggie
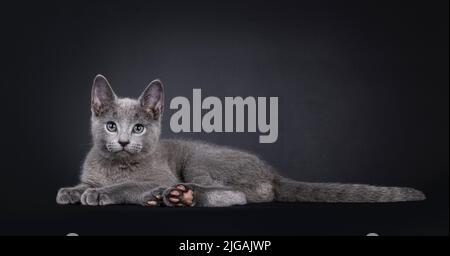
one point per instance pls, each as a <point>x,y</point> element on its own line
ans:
<point>123,153</point>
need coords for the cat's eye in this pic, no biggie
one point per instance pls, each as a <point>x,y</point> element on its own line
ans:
<point>139,128</point>
<point>111,126</point>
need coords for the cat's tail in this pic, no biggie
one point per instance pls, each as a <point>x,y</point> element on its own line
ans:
<point>287,190</point>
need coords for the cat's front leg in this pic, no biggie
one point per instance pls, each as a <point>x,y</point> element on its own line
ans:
<point>153,197</point>
<point>97,196</point>
<point>124,193</point>
<point>71,195</point>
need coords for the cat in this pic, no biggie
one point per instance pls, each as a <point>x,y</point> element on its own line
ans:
<point>130,164</point>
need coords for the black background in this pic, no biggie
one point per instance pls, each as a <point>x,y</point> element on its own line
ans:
<point>363,91</point>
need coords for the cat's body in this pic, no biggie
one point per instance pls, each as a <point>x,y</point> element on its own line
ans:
<point>129,164</point>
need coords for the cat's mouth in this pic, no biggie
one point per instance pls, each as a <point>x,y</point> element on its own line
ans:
<point>123,151</point>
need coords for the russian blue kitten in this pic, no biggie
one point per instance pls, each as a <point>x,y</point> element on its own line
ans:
<point>130,164</point>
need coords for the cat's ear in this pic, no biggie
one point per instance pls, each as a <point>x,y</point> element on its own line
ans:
<point>102,96</point>
<point>152,99</point>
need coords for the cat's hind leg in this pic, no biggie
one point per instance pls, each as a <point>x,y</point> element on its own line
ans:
<point>179,195</point>
<point>189,194</point>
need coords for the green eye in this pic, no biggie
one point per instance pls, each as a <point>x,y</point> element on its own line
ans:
<point>111,126</point>
<point>139,128</point>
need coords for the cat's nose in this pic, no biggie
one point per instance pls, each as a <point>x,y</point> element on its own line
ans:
<point>123,143</point>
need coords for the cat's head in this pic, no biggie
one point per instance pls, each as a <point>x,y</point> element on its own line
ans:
<point>123,127</point>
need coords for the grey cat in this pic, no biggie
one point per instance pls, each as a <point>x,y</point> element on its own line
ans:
<point>129,164</point>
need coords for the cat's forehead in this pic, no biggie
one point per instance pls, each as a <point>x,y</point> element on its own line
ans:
<point>127,109</point>
<point>127,104</point>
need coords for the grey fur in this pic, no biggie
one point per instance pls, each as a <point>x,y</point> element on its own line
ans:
<point>151,168</point>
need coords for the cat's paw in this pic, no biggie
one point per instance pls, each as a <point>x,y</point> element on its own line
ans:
<point>179,195</point>
<point>95,196</point>
<point>153,198</point>
<point>68,196</point>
